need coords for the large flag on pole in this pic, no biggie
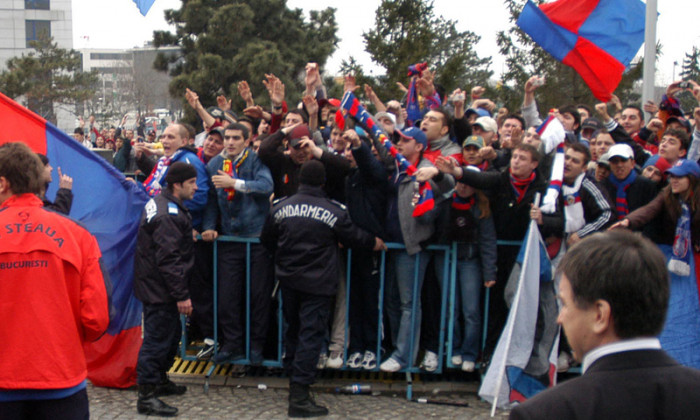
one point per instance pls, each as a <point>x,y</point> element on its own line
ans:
<point>507,379</point>
<point>144,5</point>
<point>597,38</point>
<point>110,207</point>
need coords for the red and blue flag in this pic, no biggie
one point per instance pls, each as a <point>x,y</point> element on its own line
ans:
<point>110,207</point>
<point>144,5</point>
<point>597,38</point>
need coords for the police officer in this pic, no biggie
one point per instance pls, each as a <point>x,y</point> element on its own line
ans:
<point>163,262</point>
<point>303,231</point>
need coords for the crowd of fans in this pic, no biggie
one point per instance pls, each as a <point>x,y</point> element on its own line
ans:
<point>478,167</point>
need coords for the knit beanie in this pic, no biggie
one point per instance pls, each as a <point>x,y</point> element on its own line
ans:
<point>312,173</point>
<point>180,172</point>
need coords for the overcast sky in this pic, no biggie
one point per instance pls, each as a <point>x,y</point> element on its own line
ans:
<point>118,24</point>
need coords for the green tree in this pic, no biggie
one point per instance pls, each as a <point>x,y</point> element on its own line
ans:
<point>48,76</point>
<point>408,32</point>
<point>690,70</point>
<point>563,85</point>
<point>227,41</point>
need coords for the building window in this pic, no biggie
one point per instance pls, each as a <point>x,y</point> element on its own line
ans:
<point>37,4</point>
<point>37,28</point>
<point>109,56</point>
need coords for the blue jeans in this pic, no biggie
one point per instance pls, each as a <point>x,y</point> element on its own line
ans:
<point>405,270</point>
<point>469,285</point>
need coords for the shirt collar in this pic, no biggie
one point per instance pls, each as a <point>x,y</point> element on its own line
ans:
<point>618,347</point>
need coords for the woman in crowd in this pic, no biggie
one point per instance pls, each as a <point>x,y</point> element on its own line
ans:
<point>678,208</point>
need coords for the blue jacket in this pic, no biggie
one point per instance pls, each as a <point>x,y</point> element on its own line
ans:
<point>245,214</point>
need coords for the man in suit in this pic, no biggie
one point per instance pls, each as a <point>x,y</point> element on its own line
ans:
<point>614,294</point>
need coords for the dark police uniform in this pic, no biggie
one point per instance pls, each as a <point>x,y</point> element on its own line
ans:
<point>163,262</point>
<point>303,231</point>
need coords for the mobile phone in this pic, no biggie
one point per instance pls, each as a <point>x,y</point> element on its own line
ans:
<point>538,82</point>
<point>684,85</point>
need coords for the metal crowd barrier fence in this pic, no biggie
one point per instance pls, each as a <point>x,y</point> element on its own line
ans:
<point>447,309</point>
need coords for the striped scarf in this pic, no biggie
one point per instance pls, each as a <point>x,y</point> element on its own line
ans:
<point>621,195</point>
<point>462,203</point>
<point>520,185</point>
<point>426,201</point>
<point>153,183</point>
<point>573,208</point>
<point>231,169</point>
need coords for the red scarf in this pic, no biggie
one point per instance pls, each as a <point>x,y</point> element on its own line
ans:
<point>462,203</point>
<point>231,170</point>
<point>520,185</point>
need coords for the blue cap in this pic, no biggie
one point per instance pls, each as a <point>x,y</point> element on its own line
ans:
<point>416,134</point>
<point>685,167</point>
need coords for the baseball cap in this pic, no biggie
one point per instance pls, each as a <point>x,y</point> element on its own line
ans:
<point>295,136</point>
<point>660,163</point>
<point>685,167</point>
<point>604,159</point>
<point>487,123</point>
<point>216,112</point>
<point>477,141</point>
<point>682,121</point>
<point>217,130</point>
<point>389,115</point>
<point>591,124</point>
<point>620,150</point>
<point>416,134</point>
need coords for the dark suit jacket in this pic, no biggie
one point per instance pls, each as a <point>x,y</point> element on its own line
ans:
<point>640,384</point>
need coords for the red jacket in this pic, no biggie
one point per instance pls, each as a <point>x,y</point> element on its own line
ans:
<point>53,296</point>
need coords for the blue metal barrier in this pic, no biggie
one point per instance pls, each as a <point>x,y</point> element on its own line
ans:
<point>447,311</point>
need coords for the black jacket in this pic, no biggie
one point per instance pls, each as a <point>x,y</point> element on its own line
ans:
<point>303,232</point>
<point>366,191</point>
<point>639,194</point>
<point>164,251</point>
<point>62,203</point>
<point>285,172</point>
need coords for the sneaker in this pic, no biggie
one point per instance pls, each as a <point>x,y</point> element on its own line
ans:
<point>468,366</point>
<point>335,361</point>
<point>456,360</point>
<point>227,357</point>
<point>390,365</point>
<point>322,359</point>
<point>355,360</point>
<point>369,362</point>
<point>430,361</point>
<point>563,362</point>
<point>208,349</point>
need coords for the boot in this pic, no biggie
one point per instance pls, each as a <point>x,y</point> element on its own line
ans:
<point>301,404</point>
<point>169,388</point>
<point>149,404</point>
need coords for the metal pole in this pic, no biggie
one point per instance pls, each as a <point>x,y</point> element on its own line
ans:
<point>649,52</point>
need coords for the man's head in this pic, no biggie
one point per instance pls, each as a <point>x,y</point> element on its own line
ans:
<point>655,168</point>
<point>590,127</point>
<point>151,136</point>
<point>312,173</point>
<point>532,138</point>
<point>576,160</point>
<point>235,139</point>
<point>678,123</point>
<point>570,118</point>
<point>412,143</point>
<point>632,119</point>
<point>47,167</point>
<point>584,111</point>
<point>621,158</point>
<point>674,145</point>
<point>129,134</point>
<point>174,137</point>
<point>614,286</point>
<point>181,180</point>
<point>524,160</point>
<point>603,143</point>
<point>296,116</point>
<point>509,123</point>
<point>21,171</point>
<point>338,143</point>
<point>78,134</point>
<point>602,168</point>
<point>436,123</point>
<point>387,121</point>
<point>470,150</point>
<point>214,143</point>
<point>298,153</point>
<point>486,127</point>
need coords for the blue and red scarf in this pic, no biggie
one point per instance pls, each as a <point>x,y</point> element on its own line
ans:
<point>351,105</point>
<point>153,183</point>
<point>462,203</point>
<point>621,195</point>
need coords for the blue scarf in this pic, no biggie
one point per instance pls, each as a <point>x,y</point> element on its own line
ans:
<point>680,261</point>
<point>621,195</point>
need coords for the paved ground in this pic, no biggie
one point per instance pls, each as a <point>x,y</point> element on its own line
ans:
<point>240,398</point>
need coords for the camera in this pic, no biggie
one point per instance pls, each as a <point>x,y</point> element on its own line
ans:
<point>684,85</point>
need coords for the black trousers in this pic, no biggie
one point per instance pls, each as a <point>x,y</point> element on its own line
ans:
<point>74,407</point>
<point>161,335</point>
<point>232,295</point>
<point>364,300</point>
<point>201,287</point>
<point>307,323</point>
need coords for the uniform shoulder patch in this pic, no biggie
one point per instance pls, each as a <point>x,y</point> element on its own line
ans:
<point>339,204</point>
<point>172,208</point>
<point>151,209</point>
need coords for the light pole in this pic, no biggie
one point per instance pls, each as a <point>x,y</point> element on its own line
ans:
<point>675,63</point>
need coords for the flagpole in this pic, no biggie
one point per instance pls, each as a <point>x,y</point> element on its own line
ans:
<point>649,52</point>
<point>514,309</point>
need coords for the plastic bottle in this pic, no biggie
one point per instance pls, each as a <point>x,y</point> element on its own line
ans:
<point>354,389</point>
